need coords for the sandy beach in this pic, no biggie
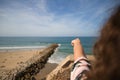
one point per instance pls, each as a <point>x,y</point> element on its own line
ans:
<point>46,70</point>
<point>9,59</point>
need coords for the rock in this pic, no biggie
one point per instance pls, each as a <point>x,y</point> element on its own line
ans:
<point>62,71</point>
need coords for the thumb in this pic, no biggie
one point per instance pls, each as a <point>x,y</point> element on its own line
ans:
<point>72,42</point>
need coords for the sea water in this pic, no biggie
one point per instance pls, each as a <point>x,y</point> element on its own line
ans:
<point>65,48</point>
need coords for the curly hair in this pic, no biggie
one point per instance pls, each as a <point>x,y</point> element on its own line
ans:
<point>107,51</point>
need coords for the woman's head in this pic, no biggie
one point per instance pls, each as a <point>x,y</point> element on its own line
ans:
<point>107,50</point>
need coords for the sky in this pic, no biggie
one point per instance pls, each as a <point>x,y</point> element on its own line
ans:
<point>54,17</point>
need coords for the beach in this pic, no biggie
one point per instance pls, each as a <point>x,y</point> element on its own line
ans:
<point>11,59</point>
<point>49,67</point>
<point>23,51</point>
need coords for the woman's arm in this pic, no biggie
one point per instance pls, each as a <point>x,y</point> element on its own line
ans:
<point>77,48</point>
<point>81,63</point>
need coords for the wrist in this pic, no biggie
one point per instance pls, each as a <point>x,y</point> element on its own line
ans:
<point>77,44</point>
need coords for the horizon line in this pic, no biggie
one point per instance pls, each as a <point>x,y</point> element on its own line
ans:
<point>48,36</point>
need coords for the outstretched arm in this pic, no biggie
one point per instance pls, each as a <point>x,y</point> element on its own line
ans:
<point>81,63</point>
<point>77,48</point>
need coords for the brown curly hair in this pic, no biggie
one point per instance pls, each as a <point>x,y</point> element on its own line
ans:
<point>107,51</point>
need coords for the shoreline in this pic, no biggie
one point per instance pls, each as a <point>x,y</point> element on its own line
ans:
<point>16,64</point>
<point>16,50</point>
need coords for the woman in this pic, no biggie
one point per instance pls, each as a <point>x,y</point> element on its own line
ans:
<point>106,52</point>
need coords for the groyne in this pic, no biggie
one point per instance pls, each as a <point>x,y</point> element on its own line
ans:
<point>28,69</point>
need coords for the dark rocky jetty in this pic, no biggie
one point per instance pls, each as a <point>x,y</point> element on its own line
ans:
<point>30,68</point>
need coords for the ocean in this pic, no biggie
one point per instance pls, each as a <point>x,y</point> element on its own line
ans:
<point>20,43</point>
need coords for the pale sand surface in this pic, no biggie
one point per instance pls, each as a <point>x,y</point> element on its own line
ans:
<point>45,71</point>
<point>11,59</point>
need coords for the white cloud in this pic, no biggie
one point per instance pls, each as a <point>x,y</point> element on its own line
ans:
<point>26,20</point>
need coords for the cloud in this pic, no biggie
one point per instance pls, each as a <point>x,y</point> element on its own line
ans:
<point>36,18</point>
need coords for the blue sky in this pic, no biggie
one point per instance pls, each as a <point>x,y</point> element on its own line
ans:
<point>54,17</point>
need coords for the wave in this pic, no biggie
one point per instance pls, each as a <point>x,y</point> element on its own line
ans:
<point>22,47</point>
<point>57,57</point>
<point>59,45</point>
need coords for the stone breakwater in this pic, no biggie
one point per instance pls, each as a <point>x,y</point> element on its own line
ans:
<point>28,69</point>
